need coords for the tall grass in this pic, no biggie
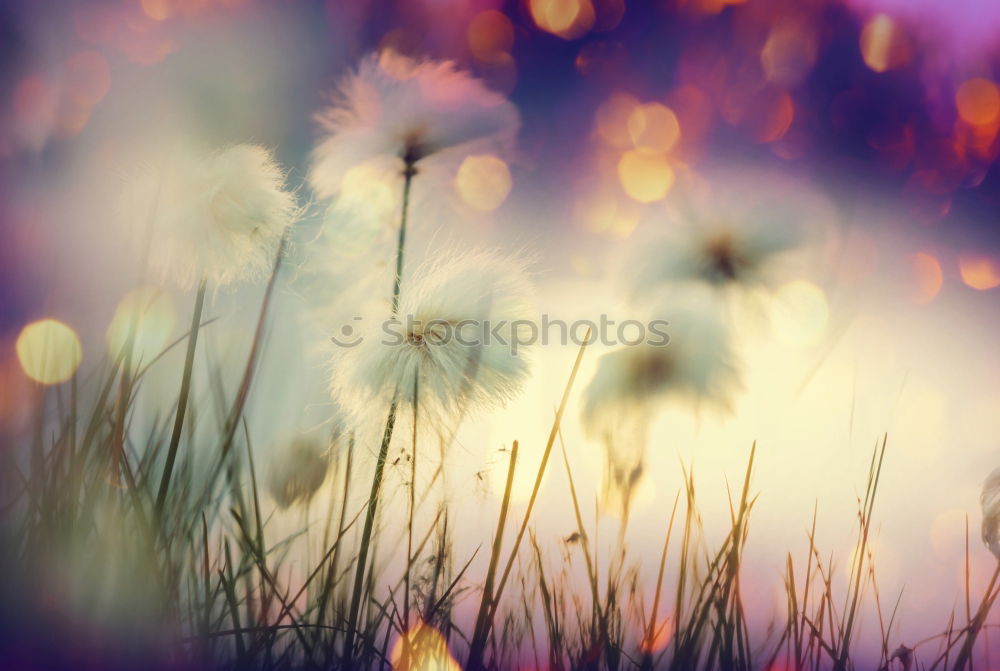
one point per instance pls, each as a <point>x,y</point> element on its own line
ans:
<point>167,563</point>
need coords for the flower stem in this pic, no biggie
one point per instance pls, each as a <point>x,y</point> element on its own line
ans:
<point>182,401</point>
<point>366,535</point>
<point>408,173</point>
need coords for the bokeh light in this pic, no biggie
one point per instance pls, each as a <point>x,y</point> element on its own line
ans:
<point>149,316</point>
<point>49,351</point>
<point>490,35</point>
<point>883,46</point>
<point>979,271</point>
<point>483,181</point>
<point>569,19</point>
<point>646,178</point>
<point>653,128</point>
<point>978,102</point>
<point>422,648</point>
<point>927,277</point>
<point>612,119</point>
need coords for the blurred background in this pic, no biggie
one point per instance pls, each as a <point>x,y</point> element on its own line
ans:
<point>878,119</point>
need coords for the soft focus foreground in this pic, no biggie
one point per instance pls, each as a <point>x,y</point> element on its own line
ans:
<point>212,457</point>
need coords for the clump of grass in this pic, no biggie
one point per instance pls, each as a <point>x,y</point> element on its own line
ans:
<point>195,574</point>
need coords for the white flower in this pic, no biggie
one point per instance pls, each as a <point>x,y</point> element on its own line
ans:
<point>451,348</point>
<point>990,501</point>
<point>298,472</point>
<point>395,113</point>
<point>724,247</point>
<point>632,383</point>
<point>216,216</point>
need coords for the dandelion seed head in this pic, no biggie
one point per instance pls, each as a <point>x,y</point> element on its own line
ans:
<point>438,354</point>
<point>399,112</point>
<point>215,216</point>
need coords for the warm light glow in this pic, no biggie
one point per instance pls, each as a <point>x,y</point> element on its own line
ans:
<point>368,184</point>
<point>653,128</point>
<point>921,418</point>
<point>646,178</point>
<point>882,44</point>
<point>979,272</point>
<point>927,277</point>
<point>978,102</point>
<point>483,182</point>
<point>662,634</point>
<point>568,19</point>
<point>490,35</point>
<point>613,120</point>
<point>947,533</point>
<point>800,313</point>
<point>776,118</point>
<point>148,314</point>
<point>789,53</point>
<point>49,351</point>
<point>158,10</point>
<point>422,649</point>
<point>607,213</point>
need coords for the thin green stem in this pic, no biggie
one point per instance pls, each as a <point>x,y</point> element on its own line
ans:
<point>408,173</point>
<point>182,402</point>
<point>366,535</point>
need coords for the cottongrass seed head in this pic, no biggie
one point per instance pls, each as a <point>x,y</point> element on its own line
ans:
<point>450,350</point>
<point>214,216</point>
<point>696,367</point>
<point>725,246</point>
<point>298,471</point>
<point>395,113</point>
<point>990,500</point>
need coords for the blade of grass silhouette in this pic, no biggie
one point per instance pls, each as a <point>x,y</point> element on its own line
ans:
<point>413,505</point>
<point>649,643</point>
<point>964,658</point>
<point>248,372</point>
<point>538,481</point>
<point>875,471</point>
<point>182,403</point>
<point>478,643</point>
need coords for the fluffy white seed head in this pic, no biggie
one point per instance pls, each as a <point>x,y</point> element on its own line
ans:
<point>297,472</point>
<point>394,112</point>
<point>697,367</point>
<point>725,246</point>
<point>450,349</point>
<point>990,500</point>
<point>215,216</point>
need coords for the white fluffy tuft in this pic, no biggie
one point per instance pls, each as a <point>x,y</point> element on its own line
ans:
<point>990,500</point>
<point>393,106</point>
<point>450,377</point>
<point>632,383</point>
<point>217,216</point>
